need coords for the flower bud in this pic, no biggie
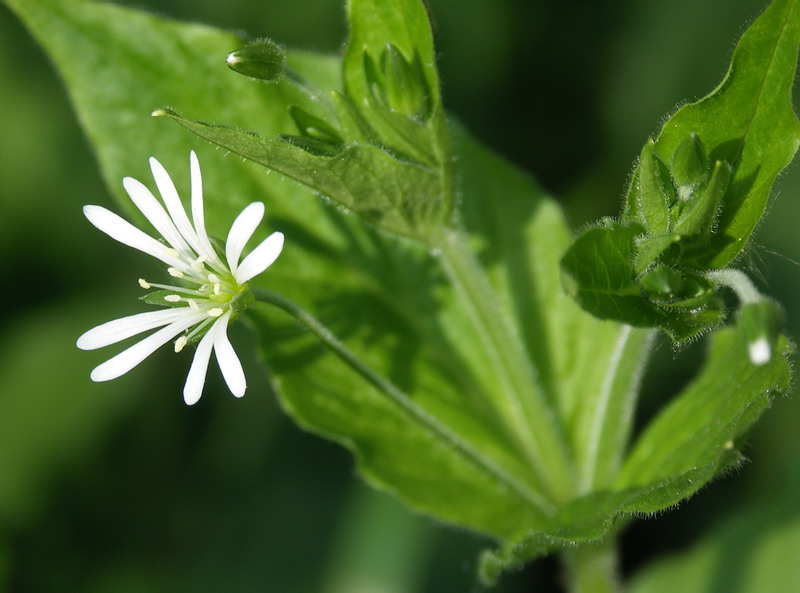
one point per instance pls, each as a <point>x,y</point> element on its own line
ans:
<point>261,59</point>
<point>399,85</point>
<point>699,214</point>
<point>689,165</point>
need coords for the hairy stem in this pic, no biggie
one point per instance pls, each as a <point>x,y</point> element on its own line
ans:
<point>593,568</point>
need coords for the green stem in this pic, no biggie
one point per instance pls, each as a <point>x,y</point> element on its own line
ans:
<point>593,568</point>
<point>737,281</point>
<point>523,404</point>
<point>399,398</point>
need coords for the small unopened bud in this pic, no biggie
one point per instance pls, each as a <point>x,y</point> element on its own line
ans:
<point>261,59</point>
<point>399,84</point>
<point>689,165</point>
<point>699,214</point>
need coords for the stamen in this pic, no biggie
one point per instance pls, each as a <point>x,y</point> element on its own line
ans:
<point>217,288</point>
<point>173,298</point>
<point>175,272</point>
<point>144,284</point>
<point>180,343</point>
<point>198,263</point>
<point>213,278</point>
<point>215,312</point>
<point>179,289</point>
<point>193,304</point>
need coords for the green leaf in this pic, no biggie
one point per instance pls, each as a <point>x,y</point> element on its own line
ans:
<point>398,196</point>
<point>444,450</point>
<point>700,426</point>
<point>752,551</point>
<point>599,275</point>
<point>337,266</point>
<point>748,121</point>
<point>690,441</point>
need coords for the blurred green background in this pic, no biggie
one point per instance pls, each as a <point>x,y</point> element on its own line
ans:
<point>120,487</point>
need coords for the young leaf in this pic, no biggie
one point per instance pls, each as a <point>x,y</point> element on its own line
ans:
<point>598,272</point>
<point>748,121</point>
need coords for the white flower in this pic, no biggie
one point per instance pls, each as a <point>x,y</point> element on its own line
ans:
<point>211,292</point>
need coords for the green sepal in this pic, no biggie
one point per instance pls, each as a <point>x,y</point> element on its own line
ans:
<point>654,192</point>
<point>312,146</point>
<point>699,215</point>
<point>689,166</point>
<point>262,59</point>
<point>310,126</point>
<point>241,301</point>
<point>650,248</point>
<point>400,83</point>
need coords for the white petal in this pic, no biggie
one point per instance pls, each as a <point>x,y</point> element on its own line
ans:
<point>127,359</point>
<point>196,378</point>
<point>155,213</point>
<point>120,229</point>
<point>229,363</point>
<point>198,215</point>
<point>126,327</point>
<point>174,206</point>
<point>260,258</point>
<point>241,230</point>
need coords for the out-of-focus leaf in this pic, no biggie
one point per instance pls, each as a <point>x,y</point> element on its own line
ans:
<point>52,414</point>
<point>753,551</point>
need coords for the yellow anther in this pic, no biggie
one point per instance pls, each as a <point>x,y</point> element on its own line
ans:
<point>175,272</point>
<point>144,284</point>
<point>214,279</point>
<point>193,304</point>
<point>215,312</point>
<point>173,298</point>
<point>180,343</point>
<point>217,288</point>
